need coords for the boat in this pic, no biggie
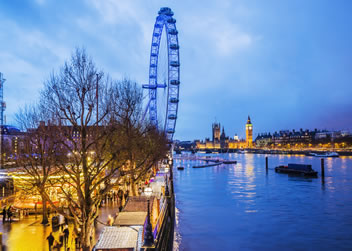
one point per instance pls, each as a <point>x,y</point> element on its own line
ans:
<point>208,165</point>
<point>180,168</point>
<point>297,169</point>
<point>229,162</point>
<point>325,155</point>
<point>177,151</point>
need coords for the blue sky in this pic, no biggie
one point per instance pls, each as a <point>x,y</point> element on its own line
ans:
<point>287,64</point>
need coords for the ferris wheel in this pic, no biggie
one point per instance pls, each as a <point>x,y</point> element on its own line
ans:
<point>164,74</point>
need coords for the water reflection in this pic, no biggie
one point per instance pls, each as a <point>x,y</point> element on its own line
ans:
<point>237,204</point>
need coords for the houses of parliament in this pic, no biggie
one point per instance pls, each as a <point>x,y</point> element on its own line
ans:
<point>221,141</point>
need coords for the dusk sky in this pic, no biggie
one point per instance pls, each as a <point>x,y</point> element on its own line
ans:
<point>287,64</point>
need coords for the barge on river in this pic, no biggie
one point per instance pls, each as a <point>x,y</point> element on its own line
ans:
<point>302,169</point>
<point>208,165</point>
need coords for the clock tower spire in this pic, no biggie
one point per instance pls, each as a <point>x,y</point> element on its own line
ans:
<point>249,133</point>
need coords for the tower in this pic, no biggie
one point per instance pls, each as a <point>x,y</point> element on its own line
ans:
<point>216,132</point>
<point>249,133</point>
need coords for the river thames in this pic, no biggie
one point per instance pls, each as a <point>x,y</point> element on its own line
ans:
<point>243,207</point>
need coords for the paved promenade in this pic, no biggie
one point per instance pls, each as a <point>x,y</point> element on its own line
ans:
<point>29,235</point>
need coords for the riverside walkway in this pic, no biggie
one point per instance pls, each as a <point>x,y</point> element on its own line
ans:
<point>29,234</point>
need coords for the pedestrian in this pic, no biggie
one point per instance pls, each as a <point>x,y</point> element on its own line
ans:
<point>66,234</point>
<point>76,237</point>
<point>61,239</point>
<point>50,239</point>
<point>4,214</point>
<point>61,222</point>
<point>110,220</point>
<point>9,214</point>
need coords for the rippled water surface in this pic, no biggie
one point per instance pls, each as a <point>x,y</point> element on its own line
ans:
<point>243,207</point>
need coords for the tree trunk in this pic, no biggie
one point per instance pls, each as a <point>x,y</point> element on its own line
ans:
<point>45,213</point>
<point>86,236</point>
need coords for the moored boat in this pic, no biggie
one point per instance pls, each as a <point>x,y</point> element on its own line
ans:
<point>213,164</point>
<point>297,169</point>
<point>325,155</point>
<point>180,168</point>
<point>178,151</point>
<point>229,162</point>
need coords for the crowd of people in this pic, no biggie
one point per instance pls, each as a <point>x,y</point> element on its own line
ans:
<point>63,240</point>
<point>7,212</point>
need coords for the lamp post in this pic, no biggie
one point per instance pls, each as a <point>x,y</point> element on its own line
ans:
<point>148,232</point>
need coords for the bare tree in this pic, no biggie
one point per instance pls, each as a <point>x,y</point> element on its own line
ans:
<point>143,143</point>
<point>84,132</point>
<point>96,132</point>
<point>37,156</point>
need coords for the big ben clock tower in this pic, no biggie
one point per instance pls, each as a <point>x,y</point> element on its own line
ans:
<point>249,133</point>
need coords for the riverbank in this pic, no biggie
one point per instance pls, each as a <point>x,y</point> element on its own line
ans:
<point>269,151</point>
<point>298,152</point>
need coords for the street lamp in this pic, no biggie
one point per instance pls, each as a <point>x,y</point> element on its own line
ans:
<point>148,232</point>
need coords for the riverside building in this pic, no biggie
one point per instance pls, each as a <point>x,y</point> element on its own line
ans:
<point>223,142</point>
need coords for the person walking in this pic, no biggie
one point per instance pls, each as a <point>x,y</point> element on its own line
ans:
<point>50,239</point>
<point>76,237</point>
<point>4,214</point>
<point>61,239</point>
<point>66,234</point>
<point>9,214</point>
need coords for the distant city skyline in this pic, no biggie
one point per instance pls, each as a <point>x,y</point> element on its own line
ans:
<point>243,136</point>
<point>287,64</point>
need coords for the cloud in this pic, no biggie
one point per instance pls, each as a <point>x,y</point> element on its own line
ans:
<point>116,11</point>
<point>32,44</point>
<point>27,58</point>
<point>220,33</point>
<point>40,2</point>
<point>236,57</point>
<point>230,40</point>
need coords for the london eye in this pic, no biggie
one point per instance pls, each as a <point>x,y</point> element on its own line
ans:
<point>164,74</point>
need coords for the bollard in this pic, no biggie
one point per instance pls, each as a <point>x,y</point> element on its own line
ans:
<point>322,168</point>
<point>0,241</point>
<point>266,163</point>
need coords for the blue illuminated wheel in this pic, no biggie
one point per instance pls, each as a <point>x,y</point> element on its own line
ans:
<point>164,74</point>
